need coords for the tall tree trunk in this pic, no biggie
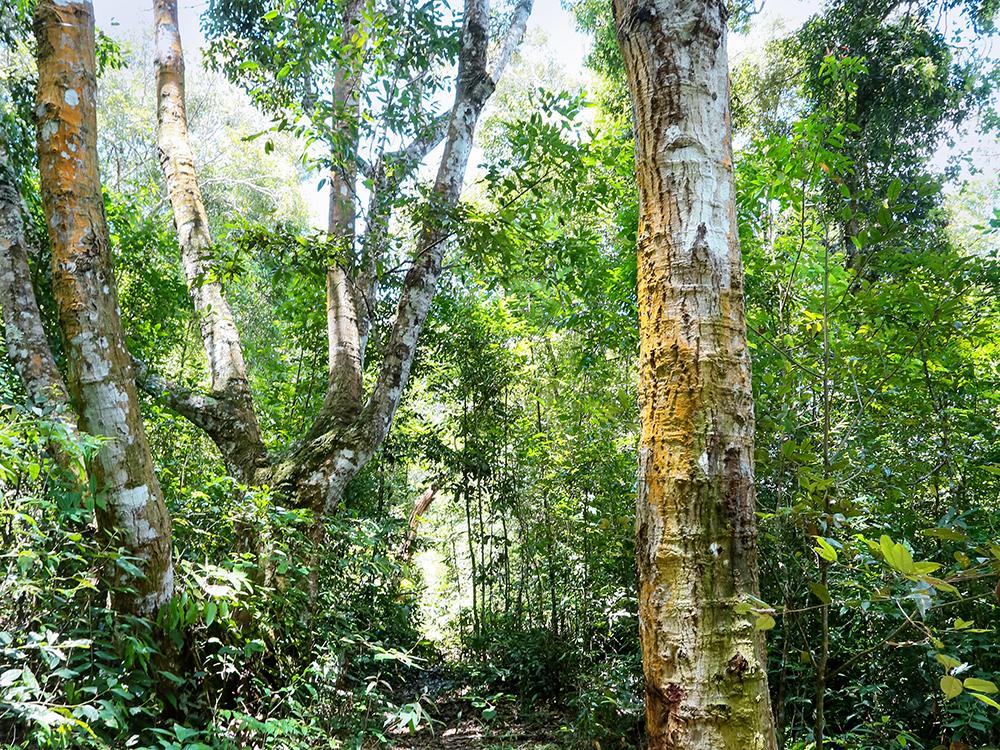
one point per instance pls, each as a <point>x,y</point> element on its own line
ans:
<point>344,388</point>
<point>235,428</point>
<point>27,346</point>
<point>704,664</point>
<point>99,373</point>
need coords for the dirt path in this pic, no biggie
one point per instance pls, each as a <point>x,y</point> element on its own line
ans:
<point>456,727</point>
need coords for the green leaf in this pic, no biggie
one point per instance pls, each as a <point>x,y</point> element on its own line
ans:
<point>951,686</point>
<point>895,188</point>
<point>130,568</point>
<point>821,592</point>
<point>825,550</point>
<point>980,686</point>
<point>764,622</point>
<point>943,533</point>
<point>897,556</point>
<point>210,611</point>
<point>987,701</point>
<point>941,585</point>
<point>948,662</point>
<point>184,733</point>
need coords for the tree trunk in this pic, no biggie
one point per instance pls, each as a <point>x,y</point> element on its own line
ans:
<point>345,362</point>
<point>27,346</point>
<point>704,664</point>
<point>235,430</point>
<point>99,372</point>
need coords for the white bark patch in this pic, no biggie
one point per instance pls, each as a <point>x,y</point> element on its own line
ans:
<point>71,97</point>
<point>133,499</point>
<point>49,129</point>
<point>144,532</point>
<point>165,41</point>
<point>156,599</point>
<point>703,462</point>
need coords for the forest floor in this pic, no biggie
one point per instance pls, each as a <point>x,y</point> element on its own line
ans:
<point>501,733</point>
<point>461,719</point>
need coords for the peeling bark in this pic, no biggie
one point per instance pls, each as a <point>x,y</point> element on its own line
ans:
<point>83,282</point>
<point>27,346</point>
<point>419,509</point>
<point>241,444</point>
<point>704,664</point>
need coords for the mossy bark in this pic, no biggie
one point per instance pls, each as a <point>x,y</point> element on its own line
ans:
<point>704,664</point>
<point>100,377</point>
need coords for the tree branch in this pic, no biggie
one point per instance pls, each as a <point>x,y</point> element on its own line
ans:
<point>223,349</point>
<point>512,38</point>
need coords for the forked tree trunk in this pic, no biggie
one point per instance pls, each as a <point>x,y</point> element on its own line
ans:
<point>234,427</point>
<point>319,469</point>
<point>704,664</point>
<point>99,371</point>
<point>348,429</point>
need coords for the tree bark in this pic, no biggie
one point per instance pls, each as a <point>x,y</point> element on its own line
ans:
<point>345,359</point>
<point>416,515</point>
<point>318,470</point>
<point>238,434</point>
<point>99,371</point>
<point>27,346</point>
<point>704,664</point>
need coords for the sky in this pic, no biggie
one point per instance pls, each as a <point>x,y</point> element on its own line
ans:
<point>130,18</point>
<point>133,16</point>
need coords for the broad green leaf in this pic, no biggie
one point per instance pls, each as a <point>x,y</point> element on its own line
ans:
<point>948,662</point>
<point>980,686</point>
<point>210,611</point>
<point>184,733</point>
<point>895,188</point>
<point>943,533</point>
<point>951,686</point>
<point>764,622</point>
<point>821,592</point>
<point>941,585</point>
<point>825,550</point>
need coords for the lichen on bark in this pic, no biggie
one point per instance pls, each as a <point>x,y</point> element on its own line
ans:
<point>704,664</point>
<point>99,376</point>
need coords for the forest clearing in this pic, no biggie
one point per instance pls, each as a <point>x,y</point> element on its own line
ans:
<point>502,374</point>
